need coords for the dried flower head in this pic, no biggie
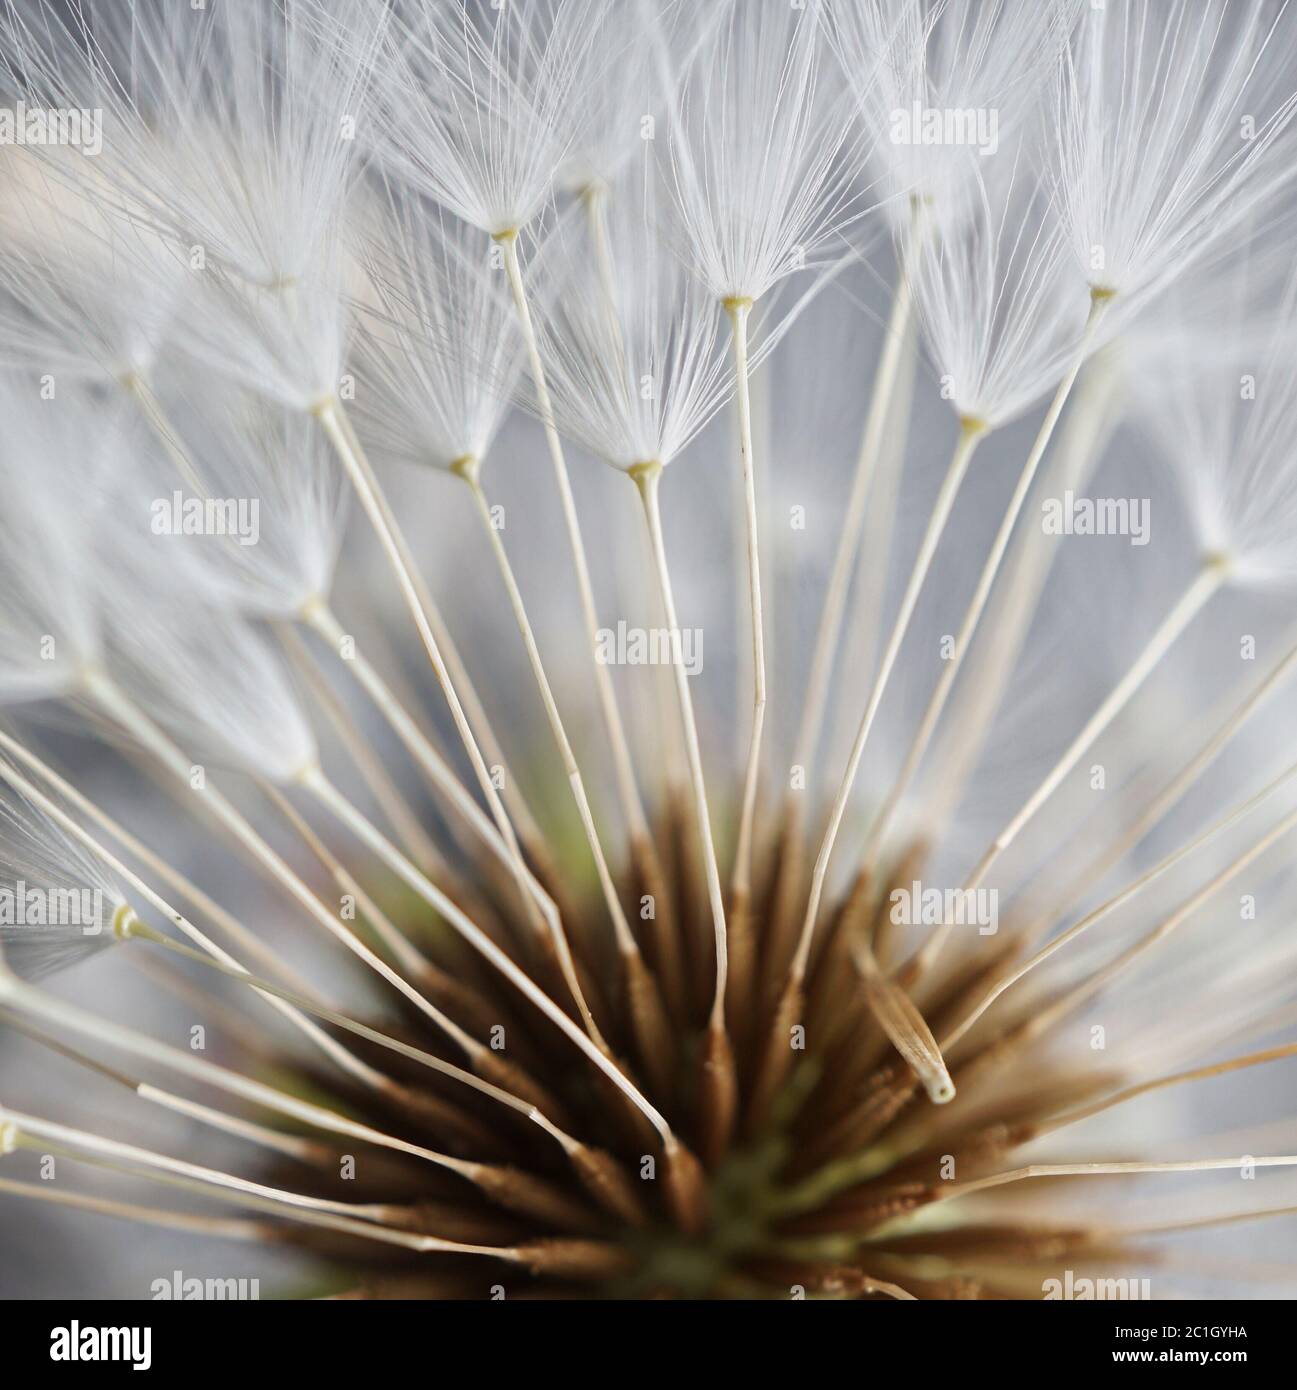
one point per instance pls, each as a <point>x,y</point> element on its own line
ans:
<point>865,880</point>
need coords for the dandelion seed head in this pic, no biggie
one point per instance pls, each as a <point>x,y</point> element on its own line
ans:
<point>479,106</point>
<point>85,291</point>
<point>1224,421</point>
<point>798,874</point>
<point>272,485</point>
<point>764,153</point>
<point>1165,119</point>
<point>215,683</point>
<point>990,60</point>
<point>1001,304</point>
<point>633,381</point>
<point>225,124</point>
<point>50,625</point>
<point>439,347</point>
<point>231,137</point>
<point>46,881</point>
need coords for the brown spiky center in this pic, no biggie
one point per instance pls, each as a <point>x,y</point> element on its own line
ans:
<point>824,1181</point>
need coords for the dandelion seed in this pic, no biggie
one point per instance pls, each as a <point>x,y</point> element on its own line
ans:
<point>1226,428</point>
<point>988,64</point>
<point>480,107</point>
<point>255,219</point>
<point>452,306</point>
<point>1170,125</point>
<point>57,903</point>
<point>1005,329</point>
<point>762,165</point>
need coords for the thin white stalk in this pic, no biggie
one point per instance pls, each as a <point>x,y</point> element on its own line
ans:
<point>1210,577</point>
<point>466,692</point>
<point>305,1150</point>
<point>624,767</point>
<point>150,407</point>
<point>366,486</point>
<point>384,789</point>
<point>829,630</point>
<point>369,1225</point>
<point>393,803</point>
<point>409,958</point>
<point>1109,972</point>
<point>868,585</point>
<point>329,1046</point>
<point>965,735</point>
<point>403,950</point>
<point>643,845</point>
<point>80,1142</point>
<point>321,619</point>
<point>596,203</point>
<point>216,1227</point>
<point>595,198</point>
<point>1039,1022</point>
<point>1161,1083</point>
<point>647,478</point>
<point>468,470</point>
<point>1078,1170</point>
<point>739,311</point>
<point>970,433</point>
<point>118,706</point>
<point>1204,1223</point>
<point>346,443</point>
<point>246,940</point>
<point>1118,900</point>
<point>333,801</point>
<point>981,594</point>
<point>1095,869</point>
<point>864,588</point>
<point>1185,778</point>
<point>137,930</point>
<point>26,999</point>
<point>338,805</point>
